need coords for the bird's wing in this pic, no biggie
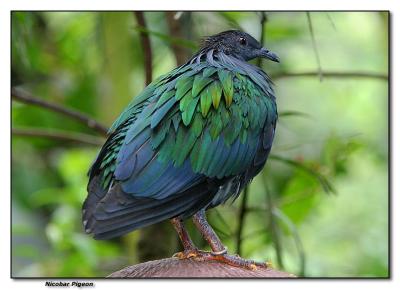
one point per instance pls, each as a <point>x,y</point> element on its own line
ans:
<point>209,119</point>
<point>216,124</point>
<point>198,127</point>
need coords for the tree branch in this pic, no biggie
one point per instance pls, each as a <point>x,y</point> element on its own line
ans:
<point>58,135</point>
<point>188,44</point>
<point>242,215</point>
<point>296,237</point>
<point>274,229</point>
<point>331,74</point>
<point>314,43</point>
<point>263,20</point>
<point>144,38</point>
<point>174,26</point>
<point>25,97</point>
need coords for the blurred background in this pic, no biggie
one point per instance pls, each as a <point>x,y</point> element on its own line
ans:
<point>318,209</point>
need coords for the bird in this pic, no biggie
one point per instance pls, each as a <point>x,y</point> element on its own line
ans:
<point>193,139</point>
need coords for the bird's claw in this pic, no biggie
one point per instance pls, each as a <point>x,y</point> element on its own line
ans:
<point>237,261</point>
<point>222,257</point>
<point>187,254</point>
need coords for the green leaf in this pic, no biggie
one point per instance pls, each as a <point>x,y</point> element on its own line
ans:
<point>276,212</point>
<point>293,114</point>
<point>326,185</point>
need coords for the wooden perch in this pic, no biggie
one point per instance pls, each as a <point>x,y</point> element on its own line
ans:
<point>188,268</point>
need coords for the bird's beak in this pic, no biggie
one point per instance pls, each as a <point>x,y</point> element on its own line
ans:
<point>265,53</point>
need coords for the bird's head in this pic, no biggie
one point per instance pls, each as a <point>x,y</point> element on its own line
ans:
<point>238,44</point>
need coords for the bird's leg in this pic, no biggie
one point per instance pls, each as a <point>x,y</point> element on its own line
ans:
<point>200,221</point>
<point>219,251</point>
<point>189,249</point>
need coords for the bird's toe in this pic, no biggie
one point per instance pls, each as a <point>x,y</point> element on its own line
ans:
<point>187,254</point>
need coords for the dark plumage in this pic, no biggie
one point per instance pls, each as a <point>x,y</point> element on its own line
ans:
<point>190,141</point>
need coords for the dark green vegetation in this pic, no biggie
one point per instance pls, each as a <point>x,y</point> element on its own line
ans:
<point>331,137</point>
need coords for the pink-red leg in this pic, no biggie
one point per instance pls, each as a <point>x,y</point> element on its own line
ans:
<point>189,248</point>
<point>219,251</point>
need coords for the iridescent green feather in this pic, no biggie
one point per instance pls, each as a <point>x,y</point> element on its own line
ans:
<point>226,79</point>
<point>215,90</point>
<point>207,72</point>
<point>199,83</point>
<point>165,97</point>
<point>205,119</point>
<point>215,126</point>
<point>205,102</point>
<point>195,118</point>
<point>183,85</point>
<point>187,114</point>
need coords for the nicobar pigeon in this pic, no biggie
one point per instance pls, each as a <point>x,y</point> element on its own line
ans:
<point>193,139</point>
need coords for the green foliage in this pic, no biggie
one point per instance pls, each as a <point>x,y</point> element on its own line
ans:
<point>331,137</point>
<point>70,252</point>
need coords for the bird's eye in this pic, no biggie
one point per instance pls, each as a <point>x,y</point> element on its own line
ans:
<point>242,41</point>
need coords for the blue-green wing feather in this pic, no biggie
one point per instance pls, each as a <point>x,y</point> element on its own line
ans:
<point>177,144</point>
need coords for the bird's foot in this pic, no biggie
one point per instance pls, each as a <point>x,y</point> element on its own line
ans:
<point>222,257</point>
<point>187,254</point>
<point>233,260</point>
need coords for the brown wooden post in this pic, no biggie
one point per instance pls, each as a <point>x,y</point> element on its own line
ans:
<point>188,268</point>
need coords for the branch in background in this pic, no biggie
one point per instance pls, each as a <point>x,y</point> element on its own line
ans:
<point>256,233</point>
<point>227,231</point>
<point>331,74</point>
<point>331,20</point>
<point>58,136</point>
<point>314,43</point>
<point>242,215</point>
<point>231,20</point>
<point>292,113</point>
<point>263,20</point>
<point>325,183</point>
<point>296,237</point>
<point>145,40</point>
<point>27,98</point>
<point>188,44</point>
<point>174,26</point>
<point>274,229</point>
